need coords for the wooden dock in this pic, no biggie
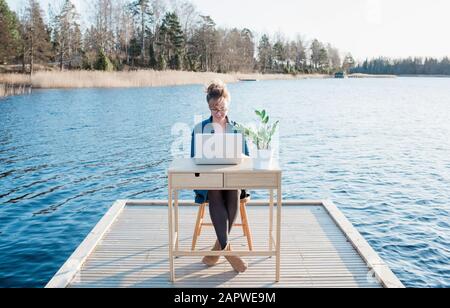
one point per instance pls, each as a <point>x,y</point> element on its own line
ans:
<point>129,248</point>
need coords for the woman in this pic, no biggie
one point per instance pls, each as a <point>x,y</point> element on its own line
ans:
<point>223,205</point>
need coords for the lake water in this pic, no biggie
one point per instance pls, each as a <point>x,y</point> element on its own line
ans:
<point>379,148</point>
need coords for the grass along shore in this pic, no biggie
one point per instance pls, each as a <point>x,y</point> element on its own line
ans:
<point>132,79</point>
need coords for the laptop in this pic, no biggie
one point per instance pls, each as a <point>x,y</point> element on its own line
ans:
<point>218,149</point>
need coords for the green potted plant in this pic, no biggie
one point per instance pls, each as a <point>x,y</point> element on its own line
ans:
<point>261,135</point>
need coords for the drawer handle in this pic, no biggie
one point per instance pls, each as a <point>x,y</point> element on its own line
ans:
<point>197,175</point>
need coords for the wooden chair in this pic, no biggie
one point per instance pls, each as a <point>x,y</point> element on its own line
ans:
<point>244,222</point>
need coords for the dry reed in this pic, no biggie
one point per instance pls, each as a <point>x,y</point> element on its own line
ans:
<point>141,78</point>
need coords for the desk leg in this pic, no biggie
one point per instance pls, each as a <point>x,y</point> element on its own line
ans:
<point>278,239</point>
<point>176,219</point>
<point>171,265</point>
<point>271,221</point>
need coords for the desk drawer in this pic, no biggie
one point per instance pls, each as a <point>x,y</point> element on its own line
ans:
<point>251,180</point>
<point>198,180</point>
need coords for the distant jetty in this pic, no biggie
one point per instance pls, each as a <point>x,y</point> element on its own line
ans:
<point>247,79</point>
<point>344,75</point>
<point>370,76</point>
<point>7,89</point>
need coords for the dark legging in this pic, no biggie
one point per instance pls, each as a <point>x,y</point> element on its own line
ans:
<point>223,208</point>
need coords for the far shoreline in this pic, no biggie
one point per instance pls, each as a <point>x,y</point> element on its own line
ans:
<point>149,78</point>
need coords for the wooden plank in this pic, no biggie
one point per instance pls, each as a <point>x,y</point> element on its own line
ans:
<point>315,251</point>
<point>66,273</point>
<point>381,271</point>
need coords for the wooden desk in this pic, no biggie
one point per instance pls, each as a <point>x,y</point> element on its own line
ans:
<point>185,174</point>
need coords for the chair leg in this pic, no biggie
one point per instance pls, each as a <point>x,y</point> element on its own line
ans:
<point>247,229</point>
<point>197,226</point>
<point>202,216</point>
<point>241,210</point>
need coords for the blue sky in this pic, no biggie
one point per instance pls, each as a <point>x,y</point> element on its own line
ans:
<point>367,28</point>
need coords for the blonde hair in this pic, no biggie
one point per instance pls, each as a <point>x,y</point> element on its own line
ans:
<point>216,90</point>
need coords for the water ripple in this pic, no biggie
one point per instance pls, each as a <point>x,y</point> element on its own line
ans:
<point>382,156</point>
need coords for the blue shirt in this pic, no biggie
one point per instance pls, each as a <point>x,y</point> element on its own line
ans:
<point>206,127</point>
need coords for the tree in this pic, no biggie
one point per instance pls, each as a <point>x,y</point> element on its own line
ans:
<point>90,44</point>
<point>203,45</point>
<point>247,50</point>
<point>445,66</point>
<point>162,64</point>
<point>171,41</point>
<point>188,17</point>
<point>265,54</point>
<point>316,48</point>
<point>36,36</point>
<point>135,50</point>
<point>228,57</point>
<point>103,63</point>
<point>300,54</point>
<point>320,57</point>
<point>323,59</point>
<point>187,14</point>
<point>348,63</point>
<point>10,39</point>
<point>279,51</point>
<point>103,30</point>
<point>142,33</point>
<point>67,34</point>
<point>334,57</point>
<point>152,55</point>
<point>124,32</point>
<point>427,66</point>
<point>142,9</point>
<point>158,9</point>
<point>235,52</point>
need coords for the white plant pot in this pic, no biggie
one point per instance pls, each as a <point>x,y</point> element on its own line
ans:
<point>263,159</point>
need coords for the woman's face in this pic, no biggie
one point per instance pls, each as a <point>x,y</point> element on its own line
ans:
<point>219,109</point>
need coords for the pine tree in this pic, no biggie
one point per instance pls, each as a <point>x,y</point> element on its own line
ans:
<point>323,60</point>
<point>153,62</point>
<point>300,55</point>
<point>265,54</point>
<point>66,34</point>
<point>279,55</point>
<point>177,42</point>
<point>203,45</point>
<point>171,41</point>
<point>162,65</point>
<point>247,50</point>
<point>143,9</point>
<point>135,50</point>
<point>36,36</point>
<point>9,34</point>
<point>334,58</point>
<point>348,63</point>
<point>316,47</point>
<point>103,63</point>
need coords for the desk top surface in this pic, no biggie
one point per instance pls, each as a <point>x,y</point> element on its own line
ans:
<point>188,165</point>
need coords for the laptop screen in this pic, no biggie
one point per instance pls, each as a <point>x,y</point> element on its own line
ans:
<point>212,146</point>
